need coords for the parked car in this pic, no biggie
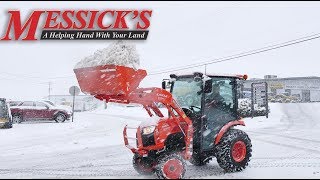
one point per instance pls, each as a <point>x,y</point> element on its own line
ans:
<point>5,114</point>
<point>38,110</point>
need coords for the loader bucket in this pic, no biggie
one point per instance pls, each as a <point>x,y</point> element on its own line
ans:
<point>109,80</point>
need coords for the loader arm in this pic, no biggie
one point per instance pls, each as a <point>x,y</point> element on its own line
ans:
<point>119,84</point>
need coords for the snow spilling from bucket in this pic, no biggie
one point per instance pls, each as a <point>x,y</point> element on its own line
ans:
<point>118,53</point>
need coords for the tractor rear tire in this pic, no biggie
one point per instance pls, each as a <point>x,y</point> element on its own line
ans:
<point>142,165</point>
<point>170,166</point>
<point>234,151</point>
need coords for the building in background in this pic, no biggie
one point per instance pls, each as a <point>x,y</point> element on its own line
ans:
<point>82,102</point>
<point>291,89</point>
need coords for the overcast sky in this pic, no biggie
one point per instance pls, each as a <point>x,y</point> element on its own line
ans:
<point>180,33</point>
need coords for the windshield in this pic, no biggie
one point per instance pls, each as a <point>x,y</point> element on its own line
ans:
<point>186,92</point>
<point>49,102</point>
<point>3,109</point>
<point>14,103</point>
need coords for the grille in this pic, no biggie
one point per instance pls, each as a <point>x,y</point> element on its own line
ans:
<point>148,140</point>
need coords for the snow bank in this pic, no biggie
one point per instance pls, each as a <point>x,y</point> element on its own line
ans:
<point>118,53</point>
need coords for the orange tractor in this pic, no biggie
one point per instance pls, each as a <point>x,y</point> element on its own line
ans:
<point>196,130</point>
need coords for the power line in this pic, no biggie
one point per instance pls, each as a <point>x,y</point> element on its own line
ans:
<point>205,63</point>
<point>190,65</point>
<point>244,54</point>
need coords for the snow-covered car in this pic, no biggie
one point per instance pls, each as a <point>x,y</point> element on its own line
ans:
<point>38,110</point>
<point>5,115</point>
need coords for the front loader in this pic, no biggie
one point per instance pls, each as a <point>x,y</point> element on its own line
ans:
<point>196,128</point>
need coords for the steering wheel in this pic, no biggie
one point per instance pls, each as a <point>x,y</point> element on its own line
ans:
<point>187,111</point>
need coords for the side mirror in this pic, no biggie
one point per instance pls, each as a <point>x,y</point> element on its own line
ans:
<point>164,84</point>
<point>208,86</point>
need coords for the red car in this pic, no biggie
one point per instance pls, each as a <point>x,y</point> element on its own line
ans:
<point>38,110</point>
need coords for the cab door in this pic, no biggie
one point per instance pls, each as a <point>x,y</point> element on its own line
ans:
<point>219,108</point>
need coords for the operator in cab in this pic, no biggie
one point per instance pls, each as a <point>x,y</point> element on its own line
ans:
<point>214,99</point>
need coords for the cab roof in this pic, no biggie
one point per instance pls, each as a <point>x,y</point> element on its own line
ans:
<point>182,75</point>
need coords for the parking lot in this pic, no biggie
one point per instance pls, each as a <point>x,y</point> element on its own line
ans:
<point>284,145</point>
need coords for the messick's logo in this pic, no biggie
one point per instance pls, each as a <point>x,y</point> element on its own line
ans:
<point>79,25</point>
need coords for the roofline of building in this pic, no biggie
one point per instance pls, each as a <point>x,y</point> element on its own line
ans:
<point>289,78</point>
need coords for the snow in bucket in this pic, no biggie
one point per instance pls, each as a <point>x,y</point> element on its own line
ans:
<point>118,53</point>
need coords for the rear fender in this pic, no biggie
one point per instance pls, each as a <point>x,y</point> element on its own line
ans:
<point>225,128</point>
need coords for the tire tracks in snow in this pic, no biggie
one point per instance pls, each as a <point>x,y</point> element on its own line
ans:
<point>203,171</point>
<point>289,146</point>
<point>81,171</point>
<point>309,145</point>
<point>285,136</point>
<point>283,164</point>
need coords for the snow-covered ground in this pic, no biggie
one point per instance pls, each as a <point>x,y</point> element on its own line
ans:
<point>286,145</point>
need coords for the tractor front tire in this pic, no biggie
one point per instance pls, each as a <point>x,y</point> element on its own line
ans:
<point>142,165</point>
<point>170,166</point>
<point>234,151</point>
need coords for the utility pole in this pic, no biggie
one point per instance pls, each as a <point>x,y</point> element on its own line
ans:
<point>49,90</point>
<point>73,90</point>
<point>74,96</point>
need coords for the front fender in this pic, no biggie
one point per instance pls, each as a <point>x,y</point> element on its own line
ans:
<point>225,128</point>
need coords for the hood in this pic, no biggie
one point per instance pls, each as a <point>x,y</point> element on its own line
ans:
<point>152,121</point>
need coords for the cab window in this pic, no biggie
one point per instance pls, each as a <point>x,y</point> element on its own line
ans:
<point>40,104</point>
<point>27,103</point>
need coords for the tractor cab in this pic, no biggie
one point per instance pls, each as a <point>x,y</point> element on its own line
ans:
<point>210,101</point>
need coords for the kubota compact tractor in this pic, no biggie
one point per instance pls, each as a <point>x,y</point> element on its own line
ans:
<point>196,129</point>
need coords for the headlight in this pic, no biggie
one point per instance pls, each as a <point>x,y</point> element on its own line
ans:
<point>148,130</point>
